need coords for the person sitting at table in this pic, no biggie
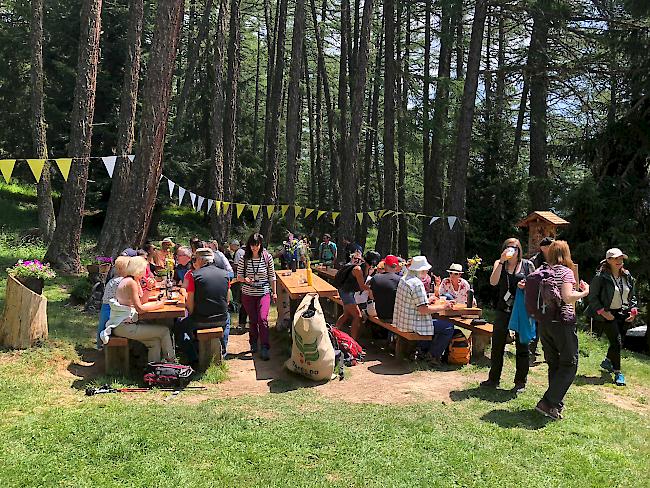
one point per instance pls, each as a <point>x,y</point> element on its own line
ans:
<point>384,288</point>
<point>220,259</point>
<point>184,263</point>
<point>257,273</point>
<point>129,301</point>
<point>354,280</point>
<point>119,272</point>
<point>206,302</point>
<point>152,256</point>
<point>195,243</point>
<point>455,285</point>
<point>327,251</point>
<point>166,251</point>
<point>413,309</point>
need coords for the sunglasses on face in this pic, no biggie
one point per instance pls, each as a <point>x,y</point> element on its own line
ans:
<point>454,273</point>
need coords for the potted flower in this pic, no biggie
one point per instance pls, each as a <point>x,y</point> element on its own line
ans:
<point>102,265</point>
<point>473,265</point>
<point>32,274</point>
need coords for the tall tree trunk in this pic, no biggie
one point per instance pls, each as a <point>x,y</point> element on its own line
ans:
<point>458,177</point>
<point>489,156</point>
<point>435,168</point>
<point>315,178</point>
<point>322,193</point>
<point>426,132</point>
<point>459,23</point>
<point>275,105</point>
<point>126,127</point>
<point>256,117</point>
<point>521,114</point>
<point>270,45</point>
<point>343,171</point>
<point>63,251</point>
<point>538,185</point>
<point>216,121</point>
<point>46,217</point>
<point>230,114</point>
<point>387,224</point>
<point>140,197</point>
<point>192,61</point>
<point>402,132</point>
<point>294,116</point>
<point>349,187</point>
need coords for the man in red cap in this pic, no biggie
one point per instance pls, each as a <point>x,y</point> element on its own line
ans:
<point>384,288</point>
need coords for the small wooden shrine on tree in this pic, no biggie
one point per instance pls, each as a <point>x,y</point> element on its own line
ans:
<point>541,224</point>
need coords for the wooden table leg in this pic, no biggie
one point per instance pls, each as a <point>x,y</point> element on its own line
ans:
<point>479,344</point>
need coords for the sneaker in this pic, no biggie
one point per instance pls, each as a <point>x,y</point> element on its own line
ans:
<point>489,384</point>
<point>619,379</point>
<point>519,388</point>
<point>547,410</point>
<point>265,353</point>
<point>254,348</point>
<point>607,365</point>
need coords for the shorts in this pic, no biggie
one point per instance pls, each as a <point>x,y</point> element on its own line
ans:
<point>347,297</point>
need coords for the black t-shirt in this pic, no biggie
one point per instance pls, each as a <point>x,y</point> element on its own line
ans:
<point>508,282</point>
<point>384,289</point>
<point>210,293</point>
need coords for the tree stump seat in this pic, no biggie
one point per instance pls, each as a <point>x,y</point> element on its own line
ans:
<point>116,356</point>
<point>209,346</point>
<point>24,321</point>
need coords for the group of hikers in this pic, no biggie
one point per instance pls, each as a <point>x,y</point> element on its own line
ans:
<point>215,279</point>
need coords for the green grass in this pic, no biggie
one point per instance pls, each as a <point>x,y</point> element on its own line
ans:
<point>53,435</point>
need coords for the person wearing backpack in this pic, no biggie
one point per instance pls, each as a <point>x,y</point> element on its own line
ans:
<point>613,305</point>
<point>509,273</point>
<point>558,331</point>
<point>538,260</point>
<point>327,251</point>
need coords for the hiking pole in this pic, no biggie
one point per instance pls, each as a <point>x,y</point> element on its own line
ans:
<point>107,389</point>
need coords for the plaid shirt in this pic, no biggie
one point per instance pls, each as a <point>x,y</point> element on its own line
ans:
<point>410,295</point>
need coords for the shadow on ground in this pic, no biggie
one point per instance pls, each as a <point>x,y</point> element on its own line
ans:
<point>486,394</point>
<point>518,419</point>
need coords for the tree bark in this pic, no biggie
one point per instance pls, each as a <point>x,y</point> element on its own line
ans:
<point>387,224</point>
<point>458,177</point>
<point>126,128</point>
<point>538,185</point>
<point>294,116</point>
<point>459,23</point>
<point>275,105</point>
<point>519,127</point>
<point>216,121</point>
<point>343,98</point>
<point>140,197</point>
<point>402,132</point>
<point>257,93</point>
<point>322,187</point>
<point>46,217</point>
<point>315,181</point>
<point>63,251</point>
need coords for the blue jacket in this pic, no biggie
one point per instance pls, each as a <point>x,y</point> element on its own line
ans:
<point>520,322</point>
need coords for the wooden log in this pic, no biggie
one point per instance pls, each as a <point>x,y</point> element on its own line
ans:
<point>209,346</point>
<point>24,320</point>
<point>116,356</point>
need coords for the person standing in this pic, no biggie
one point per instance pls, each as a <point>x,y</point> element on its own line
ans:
<point>237,256</point>
<point>354,277</point>
<point>257,273</point>
<point>560,336</point>
<point>327,251</point>
<point>613,305</point>
<point>538,260</point>
<point>509,273</point>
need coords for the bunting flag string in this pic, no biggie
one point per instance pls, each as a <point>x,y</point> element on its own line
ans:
<point>7,167</point>
<point>171,185</point>
<point>309,211</point>
<point>36,165</point>
<point>193,199</point>
<point>320,214</point>
<point>64,165</point>
<point>296,210</point>
<point>217,204</point>
<point>451,221</point>
<point>225,206</point>
<point>269,210</point>
<point>335,215</point>
<point>360,217</point>
<point>109,164</point>
<point>240,208</point>
<point>284,209</point>
<point>256,210</point>
<point>210,203</point>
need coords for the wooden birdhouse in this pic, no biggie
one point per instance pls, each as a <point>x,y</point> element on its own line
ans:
<point>541,224</point>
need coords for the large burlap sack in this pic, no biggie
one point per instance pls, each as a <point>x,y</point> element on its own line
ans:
<point>312,353</point>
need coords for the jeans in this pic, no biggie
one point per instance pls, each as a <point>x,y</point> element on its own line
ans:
<point>499,336</point>
<point>560,343</point>
<point>257,309</point>
<point>184,332</point>
<point>615,331</point>
<point>104,315</point>
<point>442,333</point>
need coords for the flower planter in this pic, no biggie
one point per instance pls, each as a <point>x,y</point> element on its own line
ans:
<point>34,284</point>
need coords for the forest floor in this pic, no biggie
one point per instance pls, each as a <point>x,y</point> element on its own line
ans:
<point>390,422</point>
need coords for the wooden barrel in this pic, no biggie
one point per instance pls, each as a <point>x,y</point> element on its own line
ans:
<point>24,320</point>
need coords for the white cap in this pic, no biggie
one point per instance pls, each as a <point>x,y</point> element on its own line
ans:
<point>420,263</point>
<point>614,253</point>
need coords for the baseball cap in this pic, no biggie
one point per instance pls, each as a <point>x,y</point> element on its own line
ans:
<point>130,252</point>
<point>391,260</point>
<point>615,252</point>
<point>546,241</point>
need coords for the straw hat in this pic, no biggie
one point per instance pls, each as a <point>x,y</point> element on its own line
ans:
<point>420,263</point>
<point>455,268</point>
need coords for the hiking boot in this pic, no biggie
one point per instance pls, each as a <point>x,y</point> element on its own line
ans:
<point>547,410</point>
<point>519,388</point>
<point>489,384</point>
<point>607,365</point>
<point>619,379</point>
<point>434,362</point>
<point>265,353</point>
<point>254,348</point>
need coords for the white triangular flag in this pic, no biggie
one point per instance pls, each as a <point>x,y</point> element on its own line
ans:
<point>193,199</point>
<point>433,219</point>
<point>210,203</point>
<point>181,194</point>
<point>109,162</point>
<point>451,221</point>
<point>131,157</point>
<point>171,185</point>
<point>199,203</point>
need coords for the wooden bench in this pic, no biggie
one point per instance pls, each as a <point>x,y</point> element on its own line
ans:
<point>209,346</point>
<point>404,344</point>
<point>116,356</point>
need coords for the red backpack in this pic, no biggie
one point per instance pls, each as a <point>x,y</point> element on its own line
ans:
<point>351,351</point>
<point>167,375</point>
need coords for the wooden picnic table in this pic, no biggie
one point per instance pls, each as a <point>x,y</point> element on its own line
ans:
<point>295,284</point>
<point>167,312</point>
<point>326,273</point>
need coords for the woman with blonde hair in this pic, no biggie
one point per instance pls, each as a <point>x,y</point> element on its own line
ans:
<point>121,263</point>
<point>509,273</point>
<point>559,336</point>
<point>128,303</point>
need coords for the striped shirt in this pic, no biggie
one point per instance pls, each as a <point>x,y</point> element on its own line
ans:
<point>261,271</point>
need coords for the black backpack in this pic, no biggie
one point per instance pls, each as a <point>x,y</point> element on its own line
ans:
<point>342,279</point>
<point>167,375</point>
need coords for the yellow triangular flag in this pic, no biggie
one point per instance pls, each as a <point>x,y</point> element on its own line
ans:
<point>7,167</point>
<point>335,215</point>
<point>256,210</point>
<point>269,210</point>
<point>284,209</point>
<point>320,214</point>
<point>64,166</point>
<point>360,217</point>
<point>36,165</point>
<point>296,210</point>
<point>388,213</point>
<point>373,216</point>
<point>309,211</point>
<point>226,205</point>
<point>240,208</point>
<point>217,206</point>
<point>380,213</point>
